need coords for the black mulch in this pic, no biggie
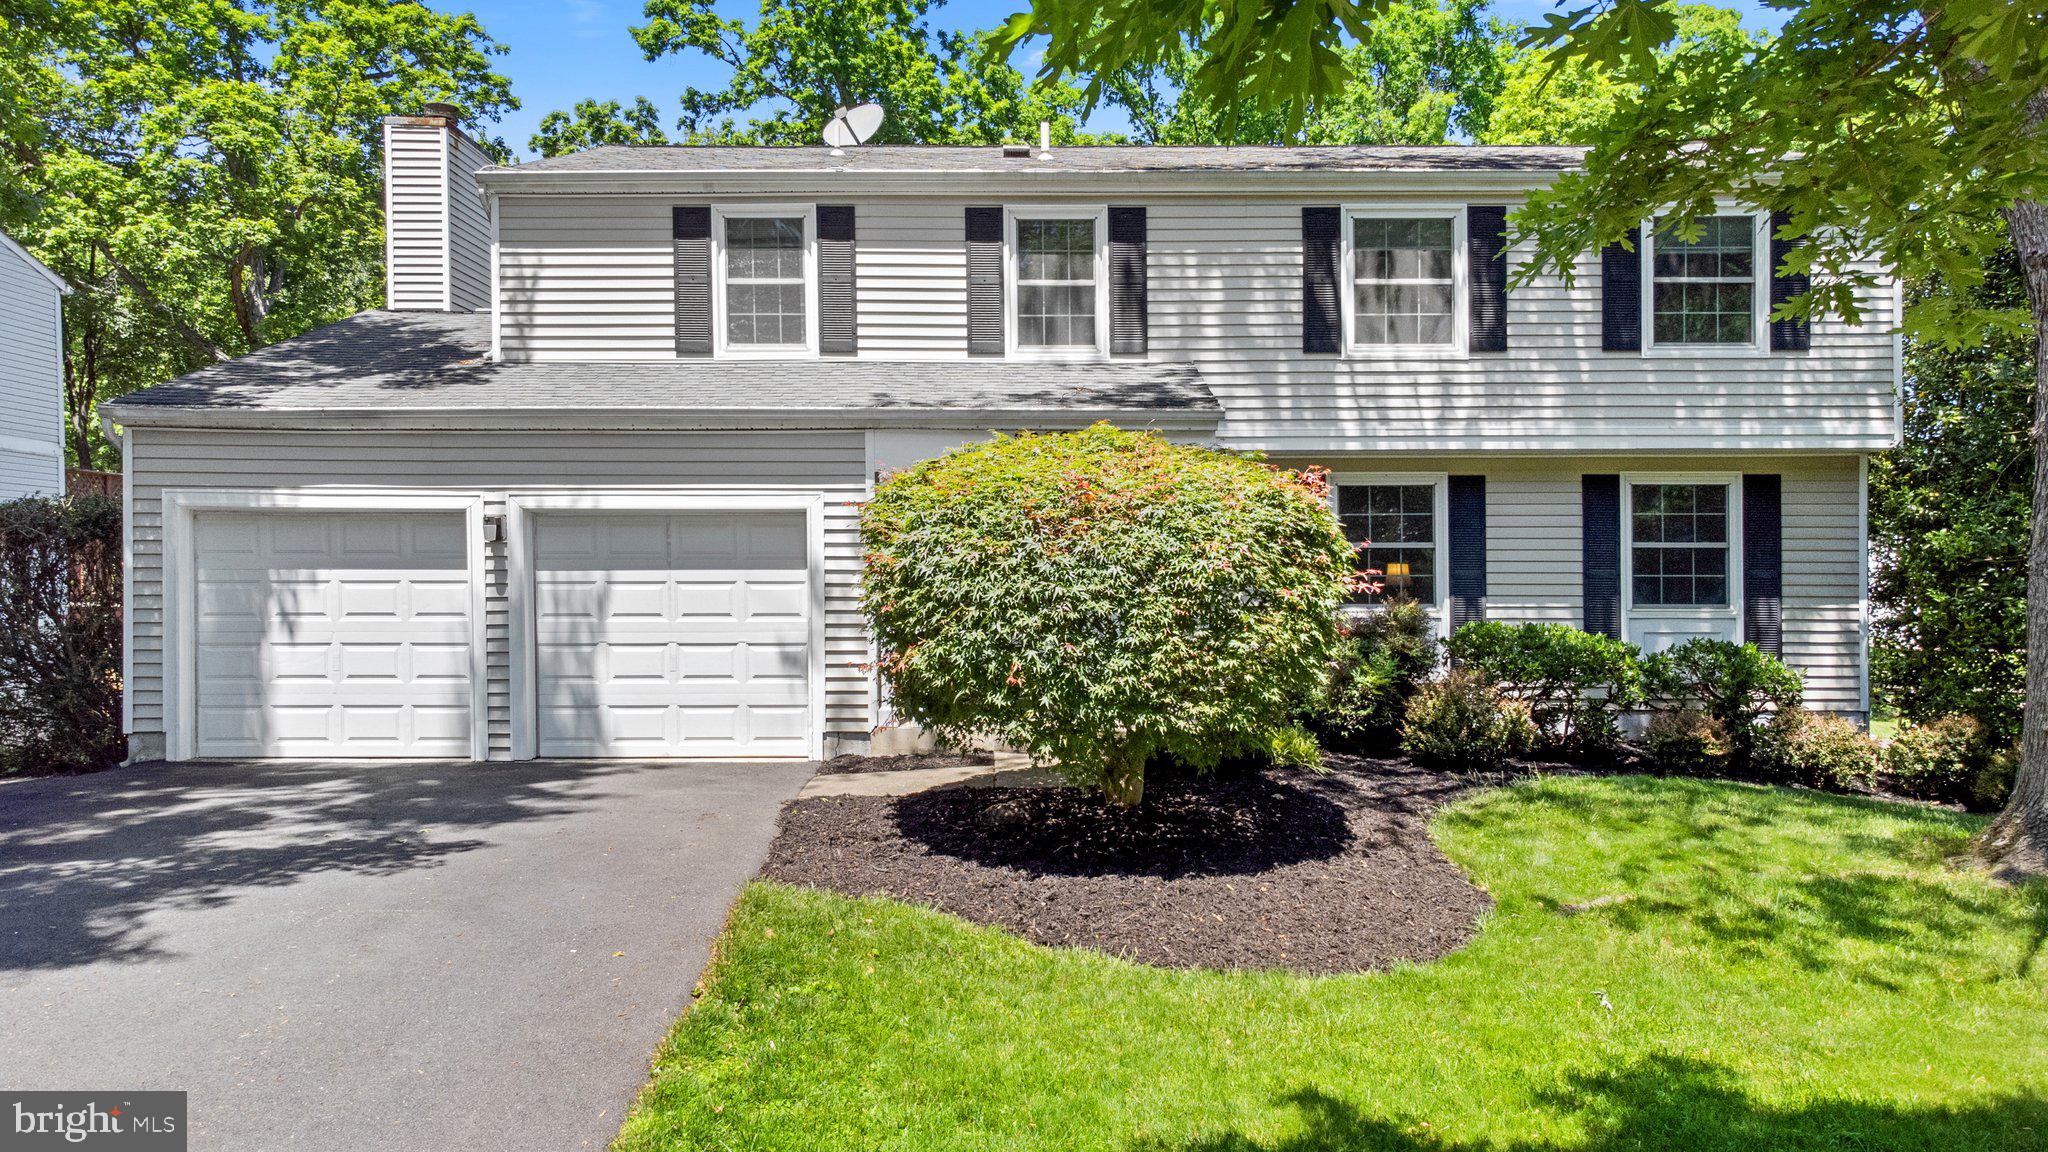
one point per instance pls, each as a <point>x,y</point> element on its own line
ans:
<point>852,765</point>
<point>1316,873</point>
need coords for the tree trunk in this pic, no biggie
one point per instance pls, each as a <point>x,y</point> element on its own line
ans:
<point>1124,782</point>
<point>2016,843</point>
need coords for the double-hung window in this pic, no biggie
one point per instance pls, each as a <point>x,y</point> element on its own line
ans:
<point>1705,289</point>
<point>1679,545</point>
<point>766,284</point>
<point>1059,275</point>
<point>1407,280</point>
<point>1393,523</point>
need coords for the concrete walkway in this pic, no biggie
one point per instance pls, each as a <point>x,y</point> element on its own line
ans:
<point>408,956</point>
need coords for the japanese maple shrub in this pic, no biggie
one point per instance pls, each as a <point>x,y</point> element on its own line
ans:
<point>1100,597</point>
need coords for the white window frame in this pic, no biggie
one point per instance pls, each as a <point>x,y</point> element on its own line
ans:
<point>722,345</point>
<point>1012,214</point>
<point>1760,291</point>
<point>1731,611</point>
<point>1438,601</point>
<point>1460,346</point>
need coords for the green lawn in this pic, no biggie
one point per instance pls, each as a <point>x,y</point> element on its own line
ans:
<point>1789,970</point>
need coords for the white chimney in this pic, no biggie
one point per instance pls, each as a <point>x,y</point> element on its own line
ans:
<point>437,237</point>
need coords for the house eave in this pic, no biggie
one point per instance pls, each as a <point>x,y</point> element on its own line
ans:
<point>652,420</point>
<point>995,182</point>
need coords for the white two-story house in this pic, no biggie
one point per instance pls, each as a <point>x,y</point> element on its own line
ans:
<point>31,374</point>
<point>589,487</point>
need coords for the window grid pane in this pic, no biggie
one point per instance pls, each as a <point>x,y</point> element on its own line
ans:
<point>1679,544</point>
<point>1703,291</point>
<point>1056,283</point>
<point>764,281</point>
<point>1402,281</point>
<point>1393,527</point>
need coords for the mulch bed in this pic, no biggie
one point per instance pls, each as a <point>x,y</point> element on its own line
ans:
<point>1314,873</point>
<point>851,765</point>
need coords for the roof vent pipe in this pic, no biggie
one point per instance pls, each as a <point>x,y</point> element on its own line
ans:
<point>1045,139</point>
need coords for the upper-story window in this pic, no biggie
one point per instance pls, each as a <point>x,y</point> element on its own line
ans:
<point>1707,291</point>
<point>1059,273</point>
<point>766,281</point>
<point>1407,273</point>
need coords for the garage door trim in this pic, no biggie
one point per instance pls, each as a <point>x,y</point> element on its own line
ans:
<point>181,508</point>
<point>523,508</point>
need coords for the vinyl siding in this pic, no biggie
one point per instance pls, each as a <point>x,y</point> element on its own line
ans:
<point>469,239</point>
<point>590,278</point>
<point>493,465</point>
<point>415,216</point>
<point>31,380</point>
<point>1533,537</point>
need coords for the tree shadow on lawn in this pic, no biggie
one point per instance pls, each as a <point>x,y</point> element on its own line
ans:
<point>1663,1102</point>
<point>84,859</point>
<point>1703,868</point>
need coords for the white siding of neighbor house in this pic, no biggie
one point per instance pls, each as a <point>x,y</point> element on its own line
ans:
<point>437,237</point>
<point>1533,537</point>
<point>495,464</point>
<point>590,277</point>
<point>31,380</point>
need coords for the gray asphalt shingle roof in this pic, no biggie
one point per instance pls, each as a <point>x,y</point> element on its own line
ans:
<point>419,363</point>
<point>1112,158</point>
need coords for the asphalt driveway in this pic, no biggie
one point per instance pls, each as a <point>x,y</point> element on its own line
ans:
<point>401,956</point>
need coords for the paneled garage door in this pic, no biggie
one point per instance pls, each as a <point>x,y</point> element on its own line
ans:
<point>664,634</point>
<point>333,634</point>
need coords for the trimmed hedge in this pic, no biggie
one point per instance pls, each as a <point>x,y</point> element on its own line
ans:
<point>60,634</point>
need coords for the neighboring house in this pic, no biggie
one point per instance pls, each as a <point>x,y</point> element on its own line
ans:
<point>31,374</point>
<point>599,499</point>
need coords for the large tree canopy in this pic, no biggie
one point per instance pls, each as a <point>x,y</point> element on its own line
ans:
<point>800,60</point>
<point>205,173</point>
<point>594,122</point>
<point>1430,73</point>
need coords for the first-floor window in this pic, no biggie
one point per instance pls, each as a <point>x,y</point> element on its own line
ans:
<point>765,282</point>
<point>1393,526</point>
<point>1678,542</point>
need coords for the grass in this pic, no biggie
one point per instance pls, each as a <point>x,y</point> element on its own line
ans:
<point>1782,970</point>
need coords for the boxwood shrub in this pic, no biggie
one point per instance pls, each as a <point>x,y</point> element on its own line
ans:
<point>1576,683</point>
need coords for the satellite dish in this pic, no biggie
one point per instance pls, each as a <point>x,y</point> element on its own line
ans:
<point>852,127</point>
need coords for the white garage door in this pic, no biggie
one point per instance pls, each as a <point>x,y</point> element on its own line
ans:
<point>340,634</point>
<point>672,634</point>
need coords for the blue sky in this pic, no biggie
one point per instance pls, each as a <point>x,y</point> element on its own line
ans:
<point>562,51</point>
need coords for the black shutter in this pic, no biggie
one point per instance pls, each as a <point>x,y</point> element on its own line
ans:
<point>838,330</point>
<point>1322,325</point>
<point>1621,299</point>
<point>1486,233</point>
<point>1127,303</point>
<point>1763,563</point>
<point>692,228</point>
<point>984,281</point>
<point>1468,550</point>
<point>1600,552</point>
<point>1787,335</point>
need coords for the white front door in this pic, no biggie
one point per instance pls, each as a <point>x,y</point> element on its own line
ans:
<point>332,634</point>
<point>672,634</point>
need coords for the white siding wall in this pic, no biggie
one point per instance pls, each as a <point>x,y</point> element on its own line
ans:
<point>834,463</point>
<point>1533,567</point>
<point>591,278</point>
<point>469,238</point>
<point>415,216</point>
<point>31,380</point>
